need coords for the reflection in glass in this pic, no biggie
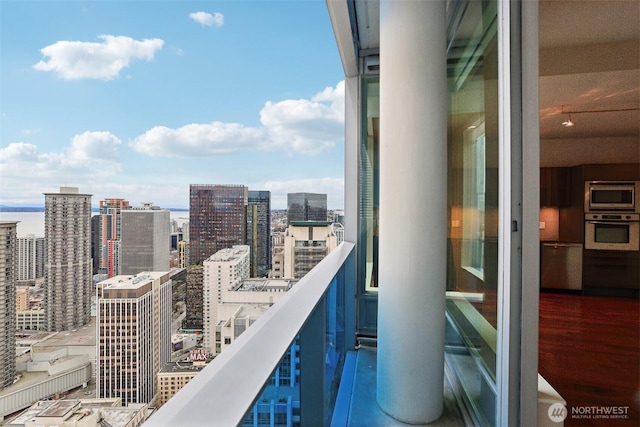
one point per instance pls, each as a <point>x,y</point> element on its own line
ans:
<point>471,334</point>
<point>369,181</point>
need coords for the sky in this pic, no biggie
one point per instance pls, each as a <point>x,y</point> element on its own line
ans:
<point>138,99</point>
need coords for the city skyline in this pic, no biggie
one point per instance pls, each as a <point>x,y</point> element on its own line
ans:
<point>169,94</point>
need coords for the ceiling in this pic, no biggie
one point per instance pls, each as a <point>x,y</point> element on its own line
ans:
<point>590,67</point>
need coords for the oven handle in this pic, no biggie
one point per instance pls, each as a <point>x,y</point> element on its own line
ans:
<point>611,222</point>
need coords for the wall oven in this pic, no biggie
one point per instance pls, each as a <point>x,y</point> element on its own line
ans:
<point>615,231</point>
<point>612,196</point>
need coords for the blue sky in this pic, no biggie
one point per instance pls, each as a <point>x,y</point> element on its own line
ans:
<point>139,99</point>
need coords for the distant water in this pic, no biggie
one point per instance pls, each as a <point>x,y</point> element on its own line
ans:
<point>33,222</point>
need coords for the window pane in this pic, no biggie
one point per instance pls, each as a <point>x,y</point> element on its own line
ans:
<point>473,203</point>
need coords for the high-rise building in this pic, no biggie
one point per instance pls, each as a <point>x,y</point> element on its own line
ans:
<point>193,302</point>
<point>109,230</point>
<point>183,254</point>
<point>134,335</point>
<point>306,207</point>
<point>68,266</point>
<point>8,246</point>
<point>145,240</point>
<point>259,232</point>
<point>222,270</point>
<point>217,219</point>
<point>306,243</point>
<point>30,258</point>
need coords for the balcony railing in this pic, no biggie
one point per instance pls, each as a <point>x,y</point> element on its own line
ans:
<point>285,369</point>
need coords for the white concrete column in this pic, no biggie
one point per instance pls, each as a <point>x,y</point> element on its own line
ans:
<point>413,198</point>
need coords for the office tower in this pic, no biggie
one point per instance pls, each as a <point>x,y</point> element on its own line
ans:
<point>109,230</point>
<point>306,207</point>
<point>259,232</point>
<point>68,266</point>
<point>222,270</point>
<point>217,219</point>
<point>306,243</point>
<point>183,254</point>
<point>145,240</point>
<point>8,246</point>
<point>193,318</point>
<point>134,335</point>
<point>30,258</point>
<point>185,231</point>
<point>95,243</point>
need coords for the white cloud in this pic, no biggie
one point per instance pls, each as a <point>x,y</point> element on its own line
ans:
<point>90,157</point>
<point>102,146</point>
<point>208,20</point>
<point>197,140</point>
<point>18,151</point>
<point>72,60</point>
<point>303,126</point>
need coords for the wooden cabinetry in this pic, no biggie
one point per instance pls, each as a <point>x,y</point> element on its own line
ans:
<point>614,273</point>
<point>555,187</point>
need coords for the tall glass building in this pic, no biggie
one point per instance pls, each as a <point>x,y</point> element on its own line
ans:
<point>259,232</point>
<point>217,219</point>
<point>145,240</point>
<point>306,207</point>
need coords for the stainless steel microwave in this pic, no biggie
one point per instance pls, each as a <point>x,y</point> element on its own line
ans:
<point>612,196</point>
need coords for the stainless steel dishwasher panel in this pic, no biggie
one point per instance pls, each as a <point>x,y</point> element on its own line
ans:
<point>561,265</point>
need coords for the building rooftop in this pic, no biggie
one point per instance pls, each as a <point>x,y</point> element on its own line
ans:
<point>136,281</point>
<point>181,367</point>
<point>74,410</point>
<point>264,285</point>
<point>310,223</point>
<point>83,336</point>
<point>229,254</point>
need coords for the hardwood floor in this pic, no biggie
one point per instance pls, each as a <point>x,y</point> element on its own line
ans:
<point>589,351</point>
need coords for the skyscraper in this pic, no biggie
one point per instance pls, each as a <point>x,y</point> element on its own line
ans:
<point>134,335</point>
<point>217,219</point>
<point>109,230</point>
<point>30,258</point>
<point>306,207</point>
<point>68,266</point>
<point>193,302</point>
<point>145,240</point>
<point>306,243</point>
<point>8,246</point>
<point>259,232</point>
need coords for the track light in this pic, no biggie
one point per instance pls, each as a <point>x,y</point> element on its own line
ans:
<point>568,123</point>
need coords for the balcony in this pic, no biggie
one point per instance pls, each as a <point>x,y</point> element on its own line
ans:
<point>280,372</point>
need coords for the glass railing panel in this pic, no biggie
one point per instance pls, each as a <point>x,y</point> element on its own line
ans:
<point>279,403</point>
<point>284,369</point>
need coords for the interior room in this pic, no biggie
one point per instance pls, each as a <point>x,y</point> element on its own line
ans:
<point>589,131</point>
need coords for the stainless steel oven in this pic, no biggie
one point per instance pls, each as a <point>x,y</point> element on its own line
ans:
<point>614,231</point>
<point>612,196</point>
